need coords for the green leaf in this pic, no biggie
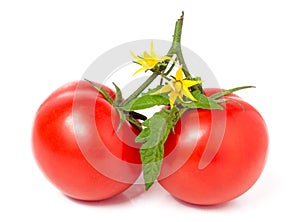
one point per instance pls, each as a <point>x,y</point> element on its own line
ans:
<point>202,102</point>
<point>146,101</point>
<point>155,128</point>
<point>226,92</point>
<point>142,137</point>
<point>101,90</point>
<point>119,96</point>
<point>154,134</point>
<point>152,160</point>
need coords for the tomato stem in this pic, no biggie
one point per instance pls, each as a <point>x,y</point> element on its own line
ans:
<point>139,90</point>
<point>176,50</point>
<point>176,36</point>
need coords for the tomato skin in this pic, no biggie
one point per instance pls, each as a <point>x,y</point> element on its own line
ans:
<point>68,133</point>
<point>237,162</point>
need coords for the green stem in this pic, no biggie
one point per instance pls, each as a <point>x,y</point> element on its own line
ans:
<point>176,36</point>
<point>172,51</point>
<point>176,49</point>
<point>139,90</point>
<point>182,62</point>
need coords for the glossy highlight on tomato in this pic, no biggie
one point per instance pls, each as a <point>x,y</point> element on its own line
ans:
<point>76,145</point>
<point>215,156</point>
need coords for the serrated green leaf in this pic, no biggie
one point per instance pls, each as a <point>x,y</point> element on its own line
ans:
<point>157,126</point>
<point>142,137</point>
<point>154,134</point>
<point>146,101</point>
<point>226,92</point>
<point>152,160</point>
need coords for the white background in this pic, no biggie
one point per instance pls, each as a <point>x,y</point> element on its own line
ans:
<point>46,44</point>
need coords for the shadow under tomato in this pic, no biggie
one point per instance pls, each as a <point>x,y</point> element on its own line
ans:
<point>123,198</point>
<point>223,206</point>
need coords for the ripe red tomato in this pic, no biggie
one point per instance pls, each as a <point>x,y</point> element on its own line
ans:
<point>76,145</point>
<point>215,156</point>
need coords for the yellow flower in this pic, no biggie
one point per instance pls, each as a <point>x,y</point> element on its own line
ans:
<point>148,61</point>
<point>178,87</point>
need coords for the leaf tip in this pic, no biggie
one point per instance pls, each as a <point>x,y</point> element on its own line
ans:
<point>148,185</point>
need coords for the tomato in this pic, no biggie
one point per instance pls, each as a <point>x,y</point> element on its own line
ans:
<point>75,143</point>
<point>215,156</point>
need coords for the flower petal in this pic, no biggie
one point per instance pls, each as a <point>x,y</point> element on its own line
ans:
<point>164,89</point>
<point>179,74</point>
<point>153,54</point>
<point>189,83</point>
<point>150,63</point>
<point>134,56</point>
<point>186,92</point>
<point>173,97</point>
<point>147,56</point>
<point>139,70</point>
<point>181,96</point>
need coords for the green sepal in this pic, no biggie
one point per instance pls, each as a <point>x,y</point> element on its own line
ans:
<point>228,91</point>
<point>134,122</point>
<point>232,101</point>
<point>119,96</point>
<point>101,90</point>
<point>122,119</point>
